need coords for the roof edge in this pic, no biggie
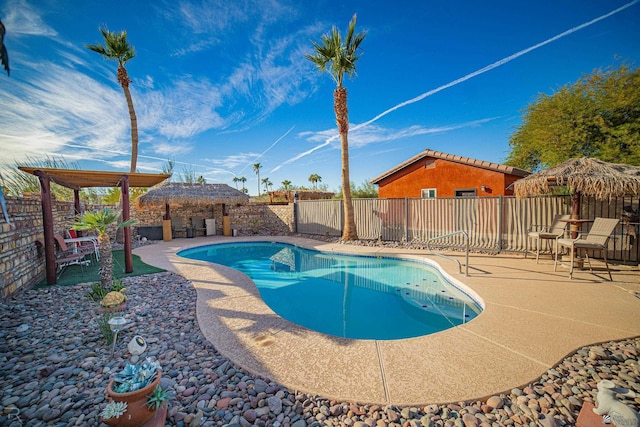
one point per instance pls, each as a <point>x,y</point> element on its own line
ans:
<point>497,167</point>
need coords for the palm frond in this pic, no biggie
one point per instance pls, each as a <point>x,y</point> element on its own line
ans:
<point>335,56</point>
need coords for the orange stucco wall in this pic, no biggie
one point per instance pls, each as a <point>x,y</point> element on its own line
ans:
<point>446,177</point>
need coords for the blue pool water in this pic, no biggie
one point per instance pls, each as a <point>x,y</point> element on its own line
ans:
<point>347,296</point>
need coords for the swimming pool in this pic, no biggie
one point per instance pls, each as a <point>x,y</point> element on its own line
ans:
<point>358,297</point>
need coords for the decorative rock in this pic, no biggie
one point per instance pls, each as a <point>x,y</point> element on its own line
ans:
<point>469,420</point>
<point>61,380</point>
<point>495,402</point>
<point>250,415</point>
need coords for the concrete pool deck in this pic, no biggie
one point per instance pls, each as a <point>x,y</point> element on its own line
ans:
<point>533,318</point>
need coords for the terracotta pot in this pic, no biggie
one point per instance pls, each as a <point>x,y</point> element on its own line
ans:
<point>137,413</point>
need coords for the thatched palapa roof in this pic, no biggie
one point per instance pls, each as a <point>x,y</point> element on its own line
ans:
<point>182,193</point>
<point>588,176</point>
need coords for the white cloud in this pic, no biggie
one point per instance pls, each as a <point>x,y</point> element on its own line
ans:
<point>23,19</point>
<point>183,110</point>
<point>362,136</point>
<point>59,106</point>
<point>171,149</point>
<point>234,160</point>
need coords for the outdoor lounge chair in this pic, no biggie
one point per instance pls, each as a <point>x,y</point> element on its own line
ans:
<point>198,225</point>
<point>549,233</point>
<point>65,255</point>
<point>597,239</point>
<point>177,226</point>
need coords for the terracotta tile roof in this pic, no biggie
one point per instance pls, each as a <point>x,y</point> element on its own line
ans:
<point>509,170</point>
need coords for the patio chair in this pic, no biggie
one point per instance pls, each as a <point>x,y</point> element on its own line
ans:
<point>597,239</point>
<point>65,256</point>
<point>86,244</point>
<point>177,226</point>
<point>198,225</point>
<point>549,233</point>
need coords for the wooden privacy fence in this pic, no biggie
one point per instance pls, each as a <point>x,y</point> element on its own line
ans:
<point>492,223</point>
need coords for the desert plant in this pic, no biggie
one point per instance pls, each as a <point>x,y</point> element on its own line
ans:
<point>114,410</point>
<point>97,292</point>
<point>100,221</point>
<point>102,320</point>
<point>157,398</point>
<point>135,377</point>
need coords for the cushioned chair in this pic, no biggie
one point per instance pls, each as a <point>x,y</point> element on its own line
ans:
<point>597,239</point>
<point>177,226</point>
<point>198,225</point>
<point>550,233</point>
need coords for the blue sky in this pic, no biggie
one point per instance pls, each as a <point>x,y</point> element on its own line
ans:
<point>219,85</point>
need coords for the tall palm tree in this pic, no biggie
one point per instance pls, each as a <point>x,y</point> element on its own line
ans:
<point>117,48</point>
<point>286,184</point>
<point>337,57</point>
<point>314,178</point>
<point>100,222</point>
<point>243,179</point>
<point>235,180</point>
<point>256,168</point>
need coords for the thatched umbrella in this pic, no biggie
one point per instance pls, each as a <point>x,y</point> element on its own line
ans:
<point>588,176</point>
<point>182,193</point>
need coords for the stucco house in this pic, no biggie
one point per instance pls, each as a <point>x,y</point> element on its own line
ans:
<point>433,174</point>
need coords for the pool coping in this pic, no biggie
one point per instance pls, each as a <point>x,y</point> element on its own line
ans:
<point>533,317</point>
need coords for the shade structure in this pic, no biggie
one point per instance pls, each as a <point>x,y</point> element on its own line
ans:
<point>77,179</point>
<point>182,193</point>
<point>587,176</point>
<point>583,176</point>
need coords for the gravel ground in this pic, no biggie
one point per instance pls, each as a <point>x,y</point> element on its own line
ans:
<point>55,366</point>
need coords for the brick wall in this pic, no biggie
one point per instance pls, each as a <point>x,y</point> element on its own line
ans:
<point>262,219</point>
<point>247,219</point>
<point>21,264</point>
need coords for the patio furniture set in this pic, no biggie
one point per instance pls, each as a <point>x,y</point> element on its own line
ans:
<point>557,236</point>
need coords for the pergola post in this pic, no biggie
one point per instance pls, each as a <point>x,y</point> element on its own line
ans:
<point>76,205</point>
<point>76,201</point>
<point>128,259</point>
<point>47,223</point>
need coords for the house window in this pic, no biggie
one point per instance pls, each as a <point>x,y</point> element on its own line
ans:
<point>428,193</point>
<point>467,192</point>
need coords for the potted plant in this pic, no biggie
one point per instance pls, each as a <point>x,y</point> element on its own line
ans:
<point>137,386</point>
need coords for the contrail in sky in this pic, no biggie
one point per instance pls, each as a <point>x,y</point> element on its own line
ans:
<point>270,147</point>
<point>463,79</point>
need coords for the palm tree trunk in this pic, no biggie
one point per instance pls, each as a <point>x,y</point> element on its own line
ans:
<point>123,78</point>
<point>106,261</point>
<point>349,231</point>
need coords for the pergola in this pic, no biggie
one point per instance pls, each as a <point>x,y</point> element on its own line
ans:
<point>77,179</point>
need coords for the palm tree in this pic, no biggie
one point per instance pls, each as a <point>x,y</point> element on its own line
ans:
<point>266,183</point>
<point>243,179</point>
<point>100,222</point>
<point>314,178</point>
<point>256,168</point>
<point>286,184</point>
<point>117,48</point>
<point>337,57</point>
<point>235,180</point>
